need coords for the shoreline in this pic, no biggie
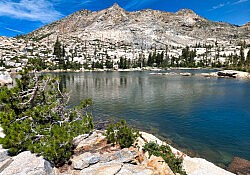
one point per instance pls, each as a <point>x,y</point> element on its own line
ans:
<point>127,70</point>
<point>192,165</point>
<point>218,73</point>
<point>164,139</point>
<point>227,70</point>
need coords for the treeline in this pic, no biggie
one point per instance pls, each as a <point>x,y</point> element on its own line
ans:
<point>188,58</point>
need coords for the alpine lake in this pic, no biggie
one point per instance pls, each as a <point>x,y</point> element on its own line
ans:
<point>204,117</point>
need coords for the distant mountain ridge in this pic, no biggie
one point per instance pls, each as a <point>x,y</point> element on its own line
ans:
<point>141,28</point>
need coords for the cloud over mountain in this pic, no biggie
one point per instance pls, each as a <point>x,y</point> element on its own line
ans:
<point>33,10</point>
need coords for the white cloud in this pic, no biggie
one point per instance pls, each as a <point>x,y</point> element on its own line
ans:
<point>240,1</point>
<point>13,30</point>
<point>86,2</point>
<point>218,6</point>
<point>33,10</point>
<point>227,4</point>
<point>133,4</point>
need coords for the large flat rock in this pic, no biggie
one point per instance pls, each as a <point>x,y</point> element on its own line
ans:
<point>193,166</point>
<point>129,169</point>
<point>26,163</point>
<point>198,166</point>
<point>102,169</point>
<point>84,160</point>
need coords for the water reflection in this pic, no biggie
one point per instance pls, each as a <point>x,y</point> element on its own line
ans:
<point>208,116</point>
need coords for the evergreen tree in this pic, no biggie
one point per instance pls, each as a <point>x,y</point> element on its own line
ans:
<point>123,64</point>
<point>188,57</point>
<point>34,116</point>
<point>242,56</point>
<point>38,63</point>
<point>57,49</point>
<point>235,60</point>
<point>151,59</point>
<point>1,63</point>
<point>63,51</point>
<point>109,64</point>
<point>248,59</point>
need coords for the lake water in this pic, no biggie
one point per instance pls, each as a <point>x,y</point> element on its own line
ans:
<point>210,116</point>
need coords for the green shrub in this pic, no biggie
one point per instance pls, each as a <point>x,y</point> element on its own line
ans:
<point>165,152</point>
<point>120,133</point>
<point>34,116</point>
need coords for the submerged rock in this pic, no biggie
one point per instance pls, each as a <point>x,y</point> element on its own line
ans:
<point>239,166</point>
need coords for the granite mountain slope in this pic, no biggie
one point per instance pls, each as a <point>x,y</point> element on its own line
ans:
<point>141,29</point>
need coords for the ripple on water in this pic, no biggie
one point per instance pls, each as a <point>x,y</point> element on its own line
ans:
<point>208,116</point>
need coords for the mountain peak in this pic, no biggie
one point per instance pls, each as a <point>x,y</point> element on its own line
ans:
<point>186,11</point>
<point>184,27</point>
<point>116,6</point>
<point>247,24</point>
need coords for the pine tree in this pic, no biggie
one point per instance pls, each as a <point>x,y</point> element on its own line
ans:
<point>34,116</point>
<point>242,56</point>
<point>248,59</point>
<point>151,59</point>
<point>57,49</point>
<point>122,63</point>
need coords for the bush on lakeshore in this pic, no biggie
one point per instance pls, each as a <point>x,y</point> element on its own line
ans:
<point>34,116</point>
<point>120,133</point>
<point>165,152</point>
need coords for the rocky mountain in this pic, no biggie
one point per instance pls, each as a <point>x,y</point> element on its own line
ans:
<point>144,28</point>
<point>105,38</point>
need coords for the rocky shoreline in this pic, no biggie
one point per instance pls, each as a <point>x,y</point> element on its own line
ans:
<point>228,74</point>
<point>5,77</point>
<point>93,156</point>
<point>218,74</point>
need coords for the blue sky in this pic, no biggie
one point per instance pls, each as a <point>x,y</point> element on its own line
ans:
<point>23,16</point>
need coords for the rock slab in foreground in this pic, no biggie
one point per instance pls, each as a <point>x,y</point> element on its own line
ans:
<point>192,166</point>
<point>198,166</point>
<point>84,160</point>
<point>26,163</point>
<point>129,169</point>
<point>95,157</point>
<point>102,169</point>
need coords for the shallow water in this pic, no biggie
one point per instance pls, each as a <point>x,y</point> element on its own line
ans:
<point>210,116</point>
